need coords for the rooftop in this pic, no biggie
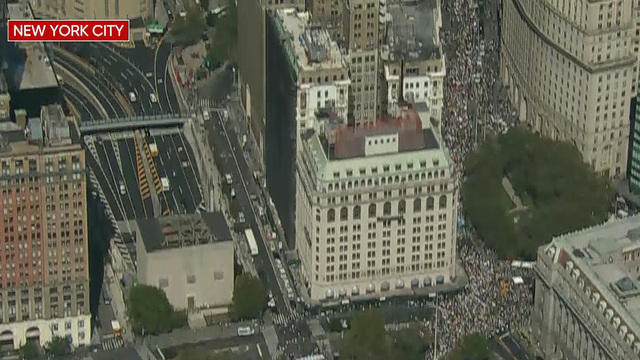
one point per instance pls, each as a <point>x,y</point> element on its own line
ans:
<point>29,64</point>
<point>406,141</point>
<point>312,46</point>
<point>413,34</point>
<point>184,230</point>
<point>52,130</point>
<point>605,259</point>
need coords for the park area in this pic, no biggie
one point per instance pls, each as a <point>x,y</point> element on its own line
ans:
<point>521,190</point>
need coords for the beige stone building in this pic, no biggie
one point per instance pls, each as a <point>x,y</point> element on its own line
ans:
<point>587,296</point>
<point>93,9</point>
<point>375,209</point>
<point>571,68</point>
<point>189,257</point>
<point>413,63</point>
<point>319,69</point>
<point>44,280</point>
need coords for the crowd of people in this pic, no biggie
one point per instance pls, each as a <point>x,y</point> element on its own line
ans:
<point>476,106</point>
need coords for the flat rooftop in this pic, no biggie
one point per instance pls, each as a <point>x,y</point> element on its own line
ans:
<point>402,144</point>
<point>29,66</point>
<point>178,231</point>
<point>606,257</point>
<point>312,46</point>
<point>411,136</point>
<point>413,33</point>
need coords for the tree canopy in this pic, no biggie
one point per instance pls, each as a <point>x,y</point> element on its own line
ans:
<point>366,338</point>
<point>189,29</point>
<point>225,36</point>
<point>472,347</point>
<point>249,297</point>
<point>58,346</point>
<point>149,309</point>
<point>560,193</point>
<point>29,351</point>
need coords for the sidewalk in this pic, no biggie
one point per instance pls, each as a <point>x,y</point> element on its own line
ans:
<point>118,303</point>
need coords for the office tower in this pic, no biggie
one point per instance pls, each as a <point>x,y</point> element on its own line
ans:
<point>413,63</point>
<point>362,20</point>
<point>375,208</point>
<point>5,99</point>
<point>571,68</point>
<point>308,77</point>
<point>330,15</point>
<point>92,9</point>
<point>43,224</point>
<point>633,171</point>
<point>587,296</point>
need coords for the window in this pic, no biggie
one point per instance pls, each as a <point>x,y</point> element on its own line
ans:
<point>402,206</point>
<point>442,202</point>
<point>356,212</point>
<point>218,275</point>
<point>344,213</point>
<point>163,283</point>
<point>417,204</point>
<point>191,279</point>
<point>386,210</point>
<point>372,210</point>
<point>67,325</point>
<point>331,215</point>
<point>430,203</point>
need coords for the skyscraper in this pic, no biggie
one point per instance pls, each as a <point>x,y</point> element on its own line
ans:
<point>571,68</point>
<point>44,281</point>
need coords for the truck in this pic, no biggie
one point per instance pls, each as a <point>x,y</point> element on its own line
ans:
<point>165,183</point>
<point>153,148</point>
<point>228,179</point>
<point>132,96</point>
<point>251,240</point>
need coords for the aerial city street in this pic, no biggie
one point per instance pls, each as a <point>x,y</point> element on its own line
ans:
<point>320,179</point>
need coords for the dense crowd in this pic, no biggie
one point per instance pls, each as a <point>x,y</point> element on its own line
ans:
<point>476,106</point>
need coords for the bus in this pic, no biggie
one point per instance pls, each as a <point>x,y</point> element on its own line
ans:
<point>253,246</point>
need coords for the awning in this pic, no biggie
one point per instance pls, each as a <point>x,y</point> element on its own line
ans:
<point>439,279</point>
<point>371,288</point>
<point>384,286</point>
<point>329,294</point>
<point>518,280</point>
<point>415,283</point>
<point>427,281</point>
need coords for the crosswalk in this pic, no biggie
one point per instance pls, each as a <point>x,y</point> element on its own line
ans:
<point>282,319</point>
<point>112,343</point>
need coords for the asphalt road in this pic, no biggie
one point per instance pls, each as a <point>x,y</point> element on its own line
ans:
<point>87,111</point>
<point>95,83</point>
<point>114,163</point>
<point>221,144</point>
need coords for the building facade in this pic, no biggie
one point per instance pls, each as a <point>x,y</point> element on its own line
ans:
<point>413,63</point>
<point>91,9</point>
<point>634,151</point>
<point>587,295</point>
<point>189,257</point>
<point>571,70</point>
<point>45,277</point>
<point>317,66</point>
<point>375,209</point>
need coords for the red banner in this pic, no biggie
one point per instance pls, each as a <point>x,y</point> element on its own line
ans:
<point>68,30</point>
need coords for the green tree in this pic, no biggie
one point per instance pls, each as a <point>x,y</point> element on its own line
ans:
<point>189,28</point>
<point>149,309</point>
<point>204,4</point>
<point>249,297</point>
<point>549,177</point>
<point>225,36</point>
<point>30,351</point>
<point>407,344</point>
<point>472,347</point>
<point>58,346</point>
<point>366,339</point>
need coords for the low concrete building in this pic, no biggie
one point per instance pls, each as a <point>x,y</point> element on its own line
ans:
<point>587,296</point>
<point>190,257</point>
